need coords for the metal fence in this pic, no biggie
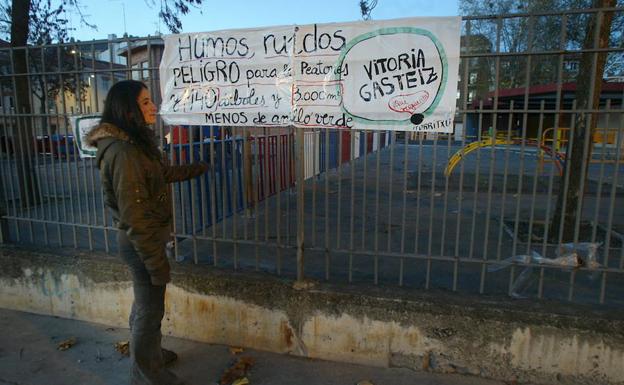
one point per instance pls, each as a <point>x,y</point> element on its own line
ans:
<point>468,212</point>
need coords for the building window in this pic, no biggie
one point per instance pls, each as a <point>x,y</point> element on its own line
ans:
<point>136,73</point>
<point>145,66</point>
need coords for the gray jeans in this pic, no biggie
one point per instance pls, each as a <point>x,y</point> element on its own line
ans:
<point>147,312</point>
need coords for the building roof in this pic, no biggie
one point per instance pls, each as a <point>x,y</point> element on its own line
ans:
<point>140,45</point>
<point>548,93</point>
<point>551,88</point>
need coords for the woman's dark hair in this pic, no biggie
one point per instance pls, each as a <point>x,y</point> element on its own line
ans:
<point>121,109</point>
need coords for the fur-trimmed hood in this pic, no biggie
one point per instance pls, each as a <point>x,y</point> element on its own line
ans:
<point>105,131</point>
<point>103,137</point>
<point>105,134</point>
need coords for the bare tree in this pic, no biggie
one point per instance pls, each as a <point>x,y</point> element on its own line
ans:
<point>29,190</point>
<point>42,22</point>
<point>170,13</point>
<point>588,88</point>
<point>366,7</point>
<point>591,32</point>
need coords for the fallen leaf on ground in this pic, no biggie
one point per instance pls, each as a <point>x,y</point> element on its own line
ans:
<point>67,344</point>
<point>237,371</point>
<point>305,284</point>
<point>236,350</point>
<point>426,364</point>
<point>123,347</point>
<point>241,381</point>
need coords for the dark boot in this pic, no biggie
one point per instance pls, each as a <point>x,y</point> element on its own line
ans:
<point>169,356</point>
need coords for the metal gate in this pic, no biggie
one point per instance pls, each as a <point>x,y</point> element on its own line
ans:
<point>469,212</point>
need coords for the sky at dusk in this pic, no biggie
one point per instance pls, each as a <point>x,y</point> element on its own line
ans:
<point>141,16</point>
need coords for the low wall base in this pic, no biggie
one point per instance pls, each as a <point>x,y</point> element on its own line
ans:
<point>532,341</point>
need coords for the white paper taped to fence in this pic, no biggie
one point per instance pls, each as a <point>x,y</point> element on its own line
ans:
<point>393,74</point>
<point>81,125</point>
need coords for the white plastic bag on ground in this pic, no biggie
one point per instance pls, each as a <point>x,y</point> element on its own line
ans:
<point>569,256</point>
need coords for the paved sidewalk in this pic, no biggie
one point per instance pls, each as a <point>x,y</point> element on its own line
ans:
<point>29,355</point>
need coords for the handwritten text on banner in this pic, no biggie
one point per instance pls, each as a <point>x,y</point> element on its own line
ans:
<point>392,74</point>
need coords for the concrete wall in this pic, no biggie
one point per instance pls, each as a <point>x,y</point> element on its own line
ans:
<point>538,342</point>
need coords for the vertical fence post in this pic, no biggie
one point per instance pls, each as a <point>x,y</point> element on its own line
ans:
<point>4,209</point>
<point>299,169</point>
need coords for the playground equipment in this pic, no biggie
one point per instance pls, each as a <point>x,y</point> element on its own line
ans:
<point>605,142</point>
<point>557,157</point>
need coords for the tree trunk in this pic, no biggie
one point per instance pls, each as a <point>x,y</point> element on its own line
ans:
<point>580,140</point>
<point>22,130</point>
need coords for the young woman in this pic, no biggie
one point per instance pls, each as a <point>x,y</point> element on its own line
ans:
<point>134,178</point>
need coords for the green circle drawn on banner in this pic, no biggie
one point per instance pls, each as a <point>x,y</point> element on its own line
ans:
<point>395,31</point>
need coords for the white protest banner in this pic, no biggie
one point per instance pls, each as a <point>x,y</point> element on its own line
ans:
<point>81,125</point>
<point>392,74</point>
